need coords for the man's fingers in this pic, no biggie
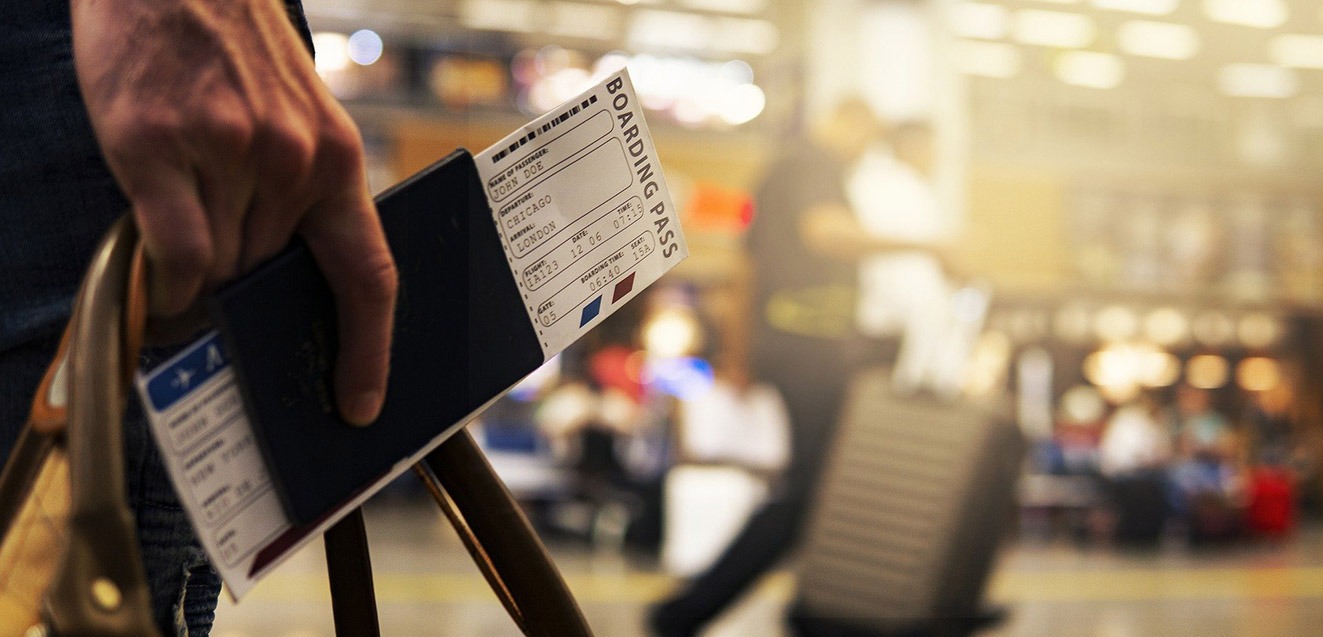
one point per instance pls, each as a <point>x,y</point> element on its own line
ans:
<point>347,242</point>
<point>284,154</point>
<point>227,195</point>
<point>177,236</point>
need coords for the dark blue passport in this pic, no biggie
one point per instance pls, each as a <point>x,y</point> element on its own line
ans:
<point>462,336</point>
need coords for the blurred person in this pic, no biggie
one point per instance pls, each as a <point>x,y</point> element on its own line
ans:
<point>207,120</point>
<point>805,242</point>
<point>1275,471</point>
<point>1133,452</point>
<point>1136,439</point>
<point>1207,486</point>
<point>1202,432</point>
<point>1077,441</point>
<point>905,293</point>
<point>1271,432</point>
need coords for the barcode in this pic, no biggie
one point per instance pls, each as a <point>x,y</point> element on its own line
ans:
<point>544,128</point>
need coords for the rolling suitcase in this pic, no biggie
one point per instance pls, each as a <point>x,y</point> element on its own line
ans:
<point>911,509</point>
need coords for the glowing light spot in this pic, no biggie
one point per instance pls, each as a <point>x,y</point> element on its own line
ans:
<point>365,47</point>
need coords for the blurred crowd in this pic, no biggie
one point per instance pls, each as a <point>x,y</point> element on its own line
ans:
<point>1173,464</point>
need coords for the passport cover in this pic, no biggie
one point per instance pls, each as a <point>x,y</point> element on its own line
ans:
<point>462,337</point>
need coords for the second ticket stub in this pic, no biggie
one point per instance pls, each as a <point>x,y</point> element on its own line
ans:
<point>583,212</point>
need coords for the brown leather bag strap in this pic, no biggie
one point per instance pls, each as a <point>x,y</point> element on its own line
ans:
<point>349,567</point>
<point>507,548</point>
<point>494,530</point>
<point>477,552</point>
<point>99,586</point>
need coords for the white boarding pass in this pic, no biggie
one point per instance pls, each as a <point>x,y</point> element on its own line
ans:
<point>586,221</point>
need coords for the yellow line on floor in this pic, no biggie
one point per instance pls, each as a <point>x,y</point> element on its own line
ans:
<point>1161,584</point>
<point>1062,586</point>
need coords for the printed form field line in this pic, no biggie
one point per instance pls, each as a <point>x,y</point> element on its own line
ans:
<point>632,206</point>
<point>606,267</point>
<point>582,135</point>
<point>578,186</point>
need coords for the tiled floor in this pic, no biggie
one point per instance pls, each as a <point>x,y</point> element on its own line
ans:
<point>427,586</point>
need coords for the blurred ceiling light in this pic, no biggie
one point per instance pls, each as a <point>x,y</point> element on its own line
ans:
<point>610,63</point>
<point>1054,28</point>
<point>547,92</point>
<point>1090,69</point>
<point>980,20</point>
<point>671,333</point>
<point>577,20</point>
<point>670,29</point>
<point>1213,329</point>
<point>1259,331</point>
<point>1116,323</point>
<point>1111,371</point>
<point>1158,39</point>
<point>1262,14</point>
<point>332,51</point>
<point>1082,404</point>
<point>1207,371</point>
<point>1149,7</point>
<point>736,72</point>
<point>499,15</point>
<point>1122,368</point>
<point>365,47</point>
<point>1166,326</point>
<point>1159,369</point>
<point>745,35</point>
<point>1258,374</point>
<point>987,59</point>
<point>1257,80</point>
<point>1295,50</point>
<point>742,104</point>
<point>691,110</point>
<point>747,7</point>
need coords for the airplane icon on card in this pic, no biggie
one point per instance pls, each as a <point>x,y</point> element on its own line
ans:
<point>183,378</point>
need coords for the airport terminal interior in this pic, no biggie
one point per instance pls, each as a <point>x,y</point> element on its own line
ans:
<point>1101,307</point>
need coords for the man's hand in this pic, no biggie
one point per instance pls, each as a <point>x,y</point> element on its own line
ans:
<point>215,124</point>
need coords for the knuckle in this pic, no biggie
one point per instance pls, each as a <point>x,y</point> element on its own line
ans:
<point>143,132</point>
<point>229,130</point>
<point>340,149</point>
<point>185,258</point>
<point>289,149</point>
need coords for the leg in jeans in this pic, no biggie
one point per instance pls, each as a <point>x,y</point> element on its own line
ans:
<point>184,584</point>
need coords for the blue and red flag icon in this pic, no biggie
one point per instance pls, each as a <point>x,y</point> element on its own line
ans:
<point>594,307</point>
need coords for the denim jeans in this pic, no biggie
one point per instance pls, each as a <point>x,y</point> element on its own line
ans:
<point>56,198</point>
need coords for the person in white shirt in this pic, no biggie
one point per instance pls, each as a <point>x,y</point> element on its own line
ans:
<point>905,292</point>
